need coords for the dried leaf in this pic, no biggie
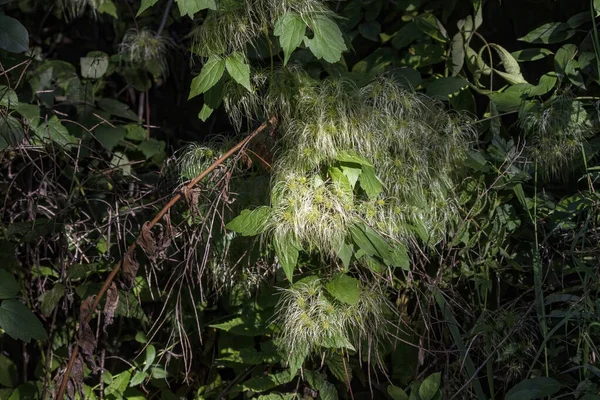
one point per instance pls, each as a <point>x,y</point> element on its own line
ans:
<point>112,301</point>
<point>147,242</point>
<point>129,270</point>
<point>86,339</point>
<point>76,381</point>
<point>191,198</point>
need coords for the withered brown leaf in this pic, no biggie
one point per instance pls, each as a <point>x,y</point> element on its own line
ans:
<point>129,270</point>
<point>112,301</point>
<point>86,339</point>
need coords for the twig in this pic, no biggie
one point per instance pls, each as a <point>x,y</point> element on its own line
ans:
<point>130,250</point>
<point>164,18</point>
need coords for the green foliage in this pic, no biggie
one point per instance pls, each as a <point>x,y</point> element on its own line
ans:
<point>424,211</point>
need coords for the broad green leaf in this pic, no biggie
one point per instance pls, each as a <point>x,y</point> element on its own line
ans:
<point>512,98</point>
<point>369,241</point>
<point>121,161</point>
<point>14,37</point>
<point>574,75</point>
<point>9,287</point>
<point>210,74</point>
<point>400,257</point>
<point>270,381</point>
<point>150,356</point>
<point>50,298</point>
<point>536,388</point>
<point>430,25</point>
<point>546,83</point>
<point>191,7</point>
<point>250,222</point>
<point>327,42</point>
<point>351,171</point>
<point>8,97</point>
<point>11,132</point>
<point>108,136</point>
<point>406,35</point>
<point>19,322</point>
<point>152,148</point>
<point>397,393</point>
<point>205,113</point>
<point>290,28</point>
<point>146,4</point>
<point>287,254</point>
<point>344,288</point>
<point>443,88</point>
<point>512,70</point>
<point>94,65</point>
<point>457,53</point>
<point>531,54</point>
<point>117,109</point>
<point>430,386</point>
<point>370,30</point>
<point>369,182</point>
<point>8,372</point>
<point>137,378</point>
<point>345,254</point>
<point>119,384</point>
<point>351,156</point>
<point>54,130</point>
<point>563,56</point>
<point>135,132</point>
<point>238,69</point>
<point>552,32</point>
<point>30,112</point>
<point>579,19</point>
<point>108,7</point>
<point>340,180</point>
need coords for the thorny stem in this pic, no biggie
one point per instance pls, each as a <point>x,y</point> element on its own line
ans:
<point>130,250</point>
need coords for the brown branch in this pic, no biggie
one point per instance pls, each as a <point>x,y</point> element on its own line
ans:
<point>130,250</point>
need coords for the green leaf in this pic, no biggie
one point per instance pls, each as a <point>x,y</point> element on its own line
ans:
<point>512,98</point>
<point>563,56</point>
<point>14,37</point>
<point>94,65</point>
<point>108,7</point>
<point>345,254</point>
<point>369,241</point>
<point>369,182</point>
<point>259,383</point>
<point>8,97</point>
<point>19,322</point>
<point>344,288</point>
<point>400,257</point>
<point>552,32</point>
<point>54,130</point>
<point>546,83</point>
<point>238,69</point>
<point>11,132</point>
<point>137,378</point>
<point>250,222</point>
<point>397,393</point>
<point>50,298</point>
<point>370,30</point>
<point>146,4</point>
<point>108,136</point>
<point>287,254</point>
<point>191,7</point>
<point>530,54</point>
<point>30,112</point>
<point>205,113</point>
<point>327,42</point>
<point>406,35</point>
<point>151,148</point>
<point>121,161</point>
<point>444,88</point>
<point>350,156</point>
<point>9,287</point>
<point>210,74</point>
<point>290,28</point>
<point>119,383</point>
<point>150,356</point>
<point>536,388</point>
<point>8,372</point>
<point>117,109</point>
<point>429,25</point>
<point>135,132</point>
<point>430,386</point>
<point>351,171</point>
